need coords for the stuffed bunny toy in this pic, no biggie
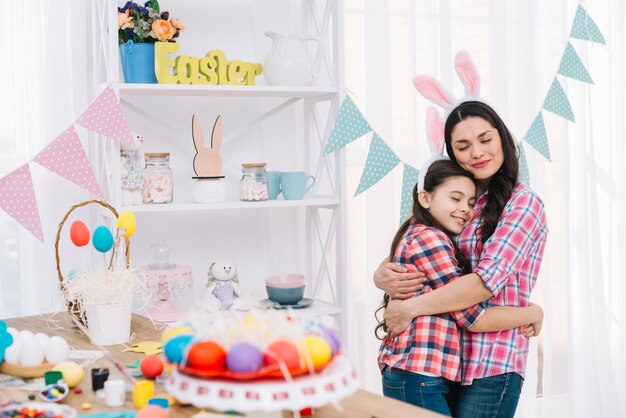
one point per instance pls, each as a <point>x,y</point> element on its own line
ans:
<point>223,283</point>
<point>131,165</point>
<point>207,161</point>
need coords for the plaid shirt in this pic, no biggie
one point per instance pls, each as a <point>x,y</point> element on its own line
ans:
<point>509,264</point>
<point>432,344</point>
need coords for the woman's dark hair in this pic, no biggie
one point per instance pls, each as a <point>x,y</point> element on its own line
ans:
<point>437,174</point>
<point>502,183</point>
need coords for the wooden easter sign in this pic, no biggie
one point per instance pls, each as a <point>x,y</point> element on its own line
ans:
<point>213,68</point>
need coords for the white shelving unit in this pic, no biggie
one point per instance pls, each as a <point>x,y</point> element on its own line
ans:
<point>285,126</point>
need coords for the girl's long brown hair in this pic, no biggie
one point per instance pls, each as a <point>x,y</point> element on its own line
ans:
<point>437,174</point>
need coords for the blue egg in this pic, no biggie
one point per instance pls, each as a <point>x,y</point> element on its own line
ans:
<point>175,348</point>
<point>102,239</point>
<point>74,273</point>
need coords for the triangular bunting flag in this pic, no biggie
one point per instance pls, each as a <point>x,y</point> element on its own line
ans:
<point>537,137</point>
<point>104,116</point>
<point>409,178</point>
<point>523,165</point>
<point>556,101</point>
<point>380,161</point>
<point>17,198</point>
<point>66,157</point>
<point>572,67</point>
<point>585,28</point>
<point>349,125</point>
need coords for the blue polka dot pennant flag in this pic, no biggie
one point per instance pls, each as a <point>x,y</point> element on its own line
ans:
<point>537,137</point>
<point>409,178</point>
<point>572,67</point>
<point>585,28</point>
<point>380,161</point>
<point>524,175</point>
<point>349,126</point>
<point>556,101</point>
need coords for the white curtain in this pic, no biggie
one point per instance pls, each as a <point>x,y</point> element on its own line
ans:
<point>575,365</point>
<point>42,85</point>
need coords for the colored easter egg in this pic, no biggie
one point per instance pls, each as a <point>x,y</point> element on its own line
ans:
<point>172,332</point>
<point>175,348</point>
<point>79,233</point>
<point>128,222</point>
<point>333,338</point>
<point>6,339</point>
<point>56,350</point>
<point>316,350</point>
<point>73,273</point>
<point>72,373</point>
<point>244,358</point>
<point>282,350</point>
<point>206,355</point>
<point>102,239</point>
<point>151,366</point>
<point>153,411</point>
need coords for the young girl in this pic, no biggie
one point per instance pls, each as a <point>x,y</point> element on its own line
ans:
<point>420,365</point>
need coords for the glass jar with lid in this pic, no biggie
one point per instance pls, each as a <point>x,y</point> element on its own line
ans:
<point>158,180</point>
<point>161,256</point>
<point>253,185</point>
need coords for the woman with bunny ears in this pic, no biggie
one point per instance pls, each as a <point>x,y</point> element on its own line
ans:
<point>504,243</point>
<point>421,364</point>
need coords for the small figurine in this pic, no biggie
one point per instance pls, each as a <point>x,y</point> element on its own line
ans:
<point>223,283</point>
<point>131,165</point>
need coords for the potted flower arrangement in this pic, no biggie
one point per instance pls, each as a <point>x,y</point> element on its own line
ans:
<point>139,27</point>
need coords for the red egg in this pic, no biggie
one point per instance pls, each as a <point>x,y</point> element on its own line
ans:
<point>151,366</point>
<point>283,350</point>
<point>79,233</point>
<point>206,355</point>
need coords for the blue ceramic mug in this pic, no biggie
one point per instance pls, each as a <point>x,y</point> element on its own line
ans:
<point>293,184</point>
<point>273,184</point>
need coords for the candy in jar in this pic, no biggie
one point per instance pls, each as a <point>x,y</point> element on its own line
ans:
<point>253,185</point>
<point>158,181</point>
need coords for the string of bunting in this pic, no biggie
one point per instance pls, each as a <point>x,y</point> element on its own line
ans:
<point>351,125</point>
<point>66,157</point>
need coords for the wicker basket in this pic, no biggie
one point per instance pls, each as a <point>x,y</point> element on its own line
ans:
<point>74,309</point>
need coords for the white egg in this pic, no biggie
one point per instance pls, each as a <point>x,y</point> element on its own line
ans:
<point>42,339</point>
<point>13,332</point>
<point>12,353</point>
<point>31,355</point>
<point>57,350</point>
<point>26,335</point>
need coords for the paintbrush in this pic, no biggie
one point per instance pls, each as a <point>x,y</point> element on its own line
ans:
<point>117,365</point>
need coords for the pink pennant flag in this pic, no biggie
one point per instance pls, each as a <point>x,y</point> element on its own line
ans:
<point>17,198</point>
<point>105,117</point>
<point>66,157</point>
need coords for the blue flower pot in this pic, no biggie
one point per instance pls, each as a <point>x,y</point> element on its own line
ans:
<point>138,62</point>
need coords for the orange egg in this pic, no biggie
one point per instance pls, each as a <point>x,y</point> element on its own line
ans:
<point>206,355</point>
<point>282,350</point>
<point>79,233</point>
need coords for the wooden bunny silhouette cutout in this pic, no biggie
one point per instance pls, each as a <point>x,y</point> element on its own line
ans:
<point>207,163</point>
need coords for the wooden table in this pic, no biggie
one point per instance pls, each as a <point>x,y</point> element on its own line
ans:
<point>361,404</point>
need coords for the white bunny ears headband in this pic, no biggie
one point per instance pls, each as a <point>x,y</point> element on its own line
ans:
<point>434,91</point>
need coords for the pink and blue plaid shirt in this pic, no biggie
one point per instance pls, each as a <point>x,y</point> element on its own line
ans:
<point>509,264</point>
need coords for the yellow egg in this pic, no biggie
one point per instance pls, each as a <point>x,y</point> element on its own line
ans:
<point>128,222</point>
<point>72,373</point>
<point>315,350</point>
<point>172,332</point>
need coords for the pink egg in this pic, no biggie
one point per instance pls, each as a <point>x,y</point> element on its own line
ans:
<point>285,351</point>
<point>244,358</point>
<point>153,411</point>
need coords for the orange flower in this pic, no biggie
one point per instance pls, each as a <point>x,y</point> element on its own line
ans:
<point>162,30</point>
<point>124,20</point>
<point>177,23</point>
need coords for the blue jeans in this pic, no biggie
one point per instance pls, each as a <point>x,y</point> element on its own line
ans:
<point>490,397</point>
<point>430,392</point>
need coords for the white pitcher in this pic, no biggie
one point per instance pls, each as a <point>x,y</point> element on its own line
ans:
<point>287,63</point>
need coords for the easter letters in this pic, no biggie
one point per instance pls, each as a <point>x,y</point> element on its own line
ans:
<point>213,68</point>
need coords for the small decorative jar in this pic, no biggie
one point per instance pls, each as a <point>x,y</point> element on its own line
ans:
<point>209,190</point>
<point>253,185</point>
<point>158,180</point>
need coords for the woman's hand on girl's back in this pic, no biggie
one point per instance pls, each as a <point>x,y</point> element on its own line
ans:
<point>398,316</point>
<point>397,281</point>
